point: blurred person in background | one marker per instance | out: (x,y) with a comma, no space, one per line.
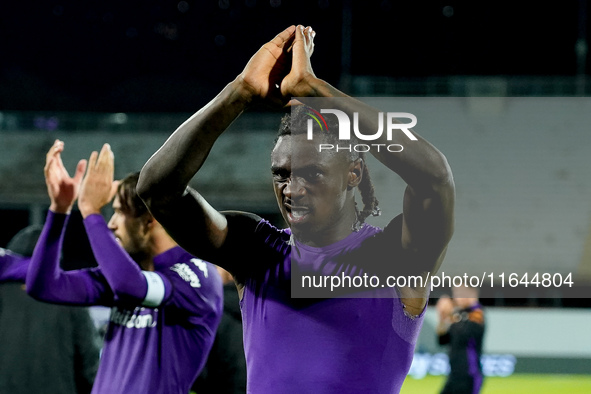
(461,326)
(166,305)
(44,348)
(225,370)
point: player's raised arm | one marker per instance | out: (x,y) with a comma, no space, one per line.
(429,198)
(164,178)
(45,280)
(122,273)
(427,222)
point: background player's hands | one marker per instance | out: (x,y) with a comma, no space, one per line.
(267,67)
(98,186)
(444,307)
(62,188)
(299,82)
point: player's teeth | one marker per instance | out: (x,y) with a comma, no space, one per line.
(298,213)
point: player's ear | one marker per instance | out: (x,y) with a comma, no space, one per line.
(355,173)
(149,222)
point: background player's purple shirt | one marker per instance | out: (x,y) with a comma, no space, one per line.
(146,349)
(336,346)
(161,350)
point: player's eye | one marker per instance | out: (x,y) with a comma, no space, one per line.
(311,175)
(314,174)
(281,176)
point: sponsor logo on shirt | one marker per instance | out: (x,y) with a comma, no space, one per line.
(202,265)
(133,319)
(187,274)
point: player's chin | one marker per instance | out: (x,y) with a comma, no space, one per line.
(303,229)
(299,218)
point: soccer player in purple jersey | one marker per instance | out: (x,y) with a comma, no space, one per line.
(166,304)
(461,326)
(334,345)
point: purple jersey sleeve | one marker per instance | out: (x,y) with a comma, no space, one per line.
(46,281)
(127,281)
(13,267)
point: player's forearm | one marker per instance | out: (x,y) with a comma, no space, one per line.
(121,272)
(44,273)
(45,280)
(315,88)
(421,165)
(167,173)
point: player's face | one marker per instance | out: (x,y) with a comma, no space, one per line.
(464,297)
(311,187)
(129,232)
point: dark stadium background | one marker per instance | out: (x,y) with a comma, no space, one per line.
(141,56)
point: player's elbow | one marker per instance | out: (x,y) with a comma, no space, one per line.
(434,178)
(151,192)
(35,291)
(131,290)
(145,187)
(437,185)
(442,176)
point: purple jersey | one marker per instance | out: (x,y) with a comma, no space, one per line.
(158,337)
(336,345)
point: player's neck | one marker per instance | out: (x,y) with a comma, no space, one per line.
(340,230)
(147,265)
(161,241)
